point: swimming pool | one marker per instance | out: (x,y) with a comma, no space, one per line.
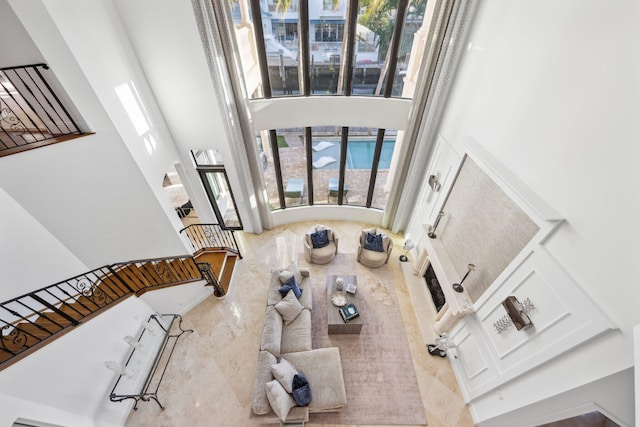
(359,154)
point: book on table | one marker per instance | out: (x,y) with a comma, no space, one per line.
(349,312)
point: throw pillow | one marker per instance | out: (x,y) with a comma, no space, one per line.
(291,285)
(319,239)
(293,268)
(284,372)
(373,242)
(301,389)
(289,307)
(284,276)
(281,402)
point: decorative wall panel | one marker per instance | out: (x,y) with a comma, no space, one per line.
(483,226)
(563,318)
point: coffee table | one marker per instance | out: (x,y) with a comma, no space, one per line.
(335,323)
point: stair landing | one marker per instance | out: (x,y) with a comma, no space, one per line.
(222,263)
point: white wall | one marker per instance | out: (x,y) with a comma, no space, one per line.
(177,299)
(549,90)
(291,215)
(90,193)
(24,238)
(175,66)
(13,409)
(16,48)
(69,374)
(330,111)
(577,402)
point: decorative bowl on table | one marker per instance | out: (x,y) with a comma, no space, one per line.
(339,299)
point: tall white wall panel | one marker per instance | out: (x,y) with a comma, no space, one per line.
(563,318)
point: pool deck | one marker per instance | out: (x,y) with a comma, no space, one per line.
(293,164)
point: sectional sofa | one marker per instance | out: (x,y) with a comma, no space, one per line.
(286,334)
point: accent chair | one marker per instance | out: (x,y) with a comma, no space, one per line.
(320,245)
(374,248)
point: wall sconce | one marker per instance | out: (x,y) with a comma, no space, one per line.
(407,246)
(120,369)
(432,229)
(517,315)
(458,286)
(434,183)
(134,343)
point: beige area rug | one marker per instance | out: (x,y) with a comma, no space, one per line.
(379,376)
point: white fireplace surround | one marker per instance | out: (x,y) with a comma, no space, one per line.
(458,304)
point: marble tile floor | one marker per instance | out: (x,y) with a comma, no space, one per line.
(209,381)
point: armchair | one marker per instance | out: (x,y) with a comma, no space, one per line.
(374,248)
(325,247)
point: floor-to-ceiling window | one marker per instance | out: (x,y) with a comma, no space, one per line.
(347,166)
(335,48)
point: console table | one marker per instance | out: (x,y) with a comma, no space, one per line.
(148,359)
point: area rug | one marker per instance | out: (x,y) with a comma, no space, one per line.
(379,376)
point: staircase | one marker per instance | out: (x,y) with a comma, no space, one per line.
(33,320)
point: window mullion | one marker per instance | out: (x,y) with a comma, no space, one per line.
(309,153)
(343,161)
(273,141)
(261,51)
(395,46)
(349,42)
(304,69)
(374,166)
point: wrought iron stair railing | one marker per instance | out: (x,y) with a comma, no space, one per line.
(30,321)
(204,236)
(31,113)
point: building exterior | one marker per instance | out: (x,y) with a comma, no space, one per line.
(543,99)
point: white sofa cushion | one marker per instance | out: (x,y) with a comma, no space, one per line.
(281,401)
(289,307)
(260,404)
(293,268)
(284,276)
(284,372)
(323,369)
(271,332)
(296,336)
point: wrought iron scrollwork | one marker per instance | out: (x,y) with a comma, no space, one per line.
(14,341)
(165,273)
(13,123)
(209,235)
(92,291)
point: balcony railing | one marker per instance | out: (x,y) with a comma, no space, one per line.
(31,114)
(211,236)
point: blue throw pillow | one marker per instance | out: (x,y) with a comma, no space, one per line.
(319,239)
(301,389)
(290,285)
(373,242)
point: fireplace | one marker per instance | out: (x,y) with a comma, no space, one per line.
(434,288)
